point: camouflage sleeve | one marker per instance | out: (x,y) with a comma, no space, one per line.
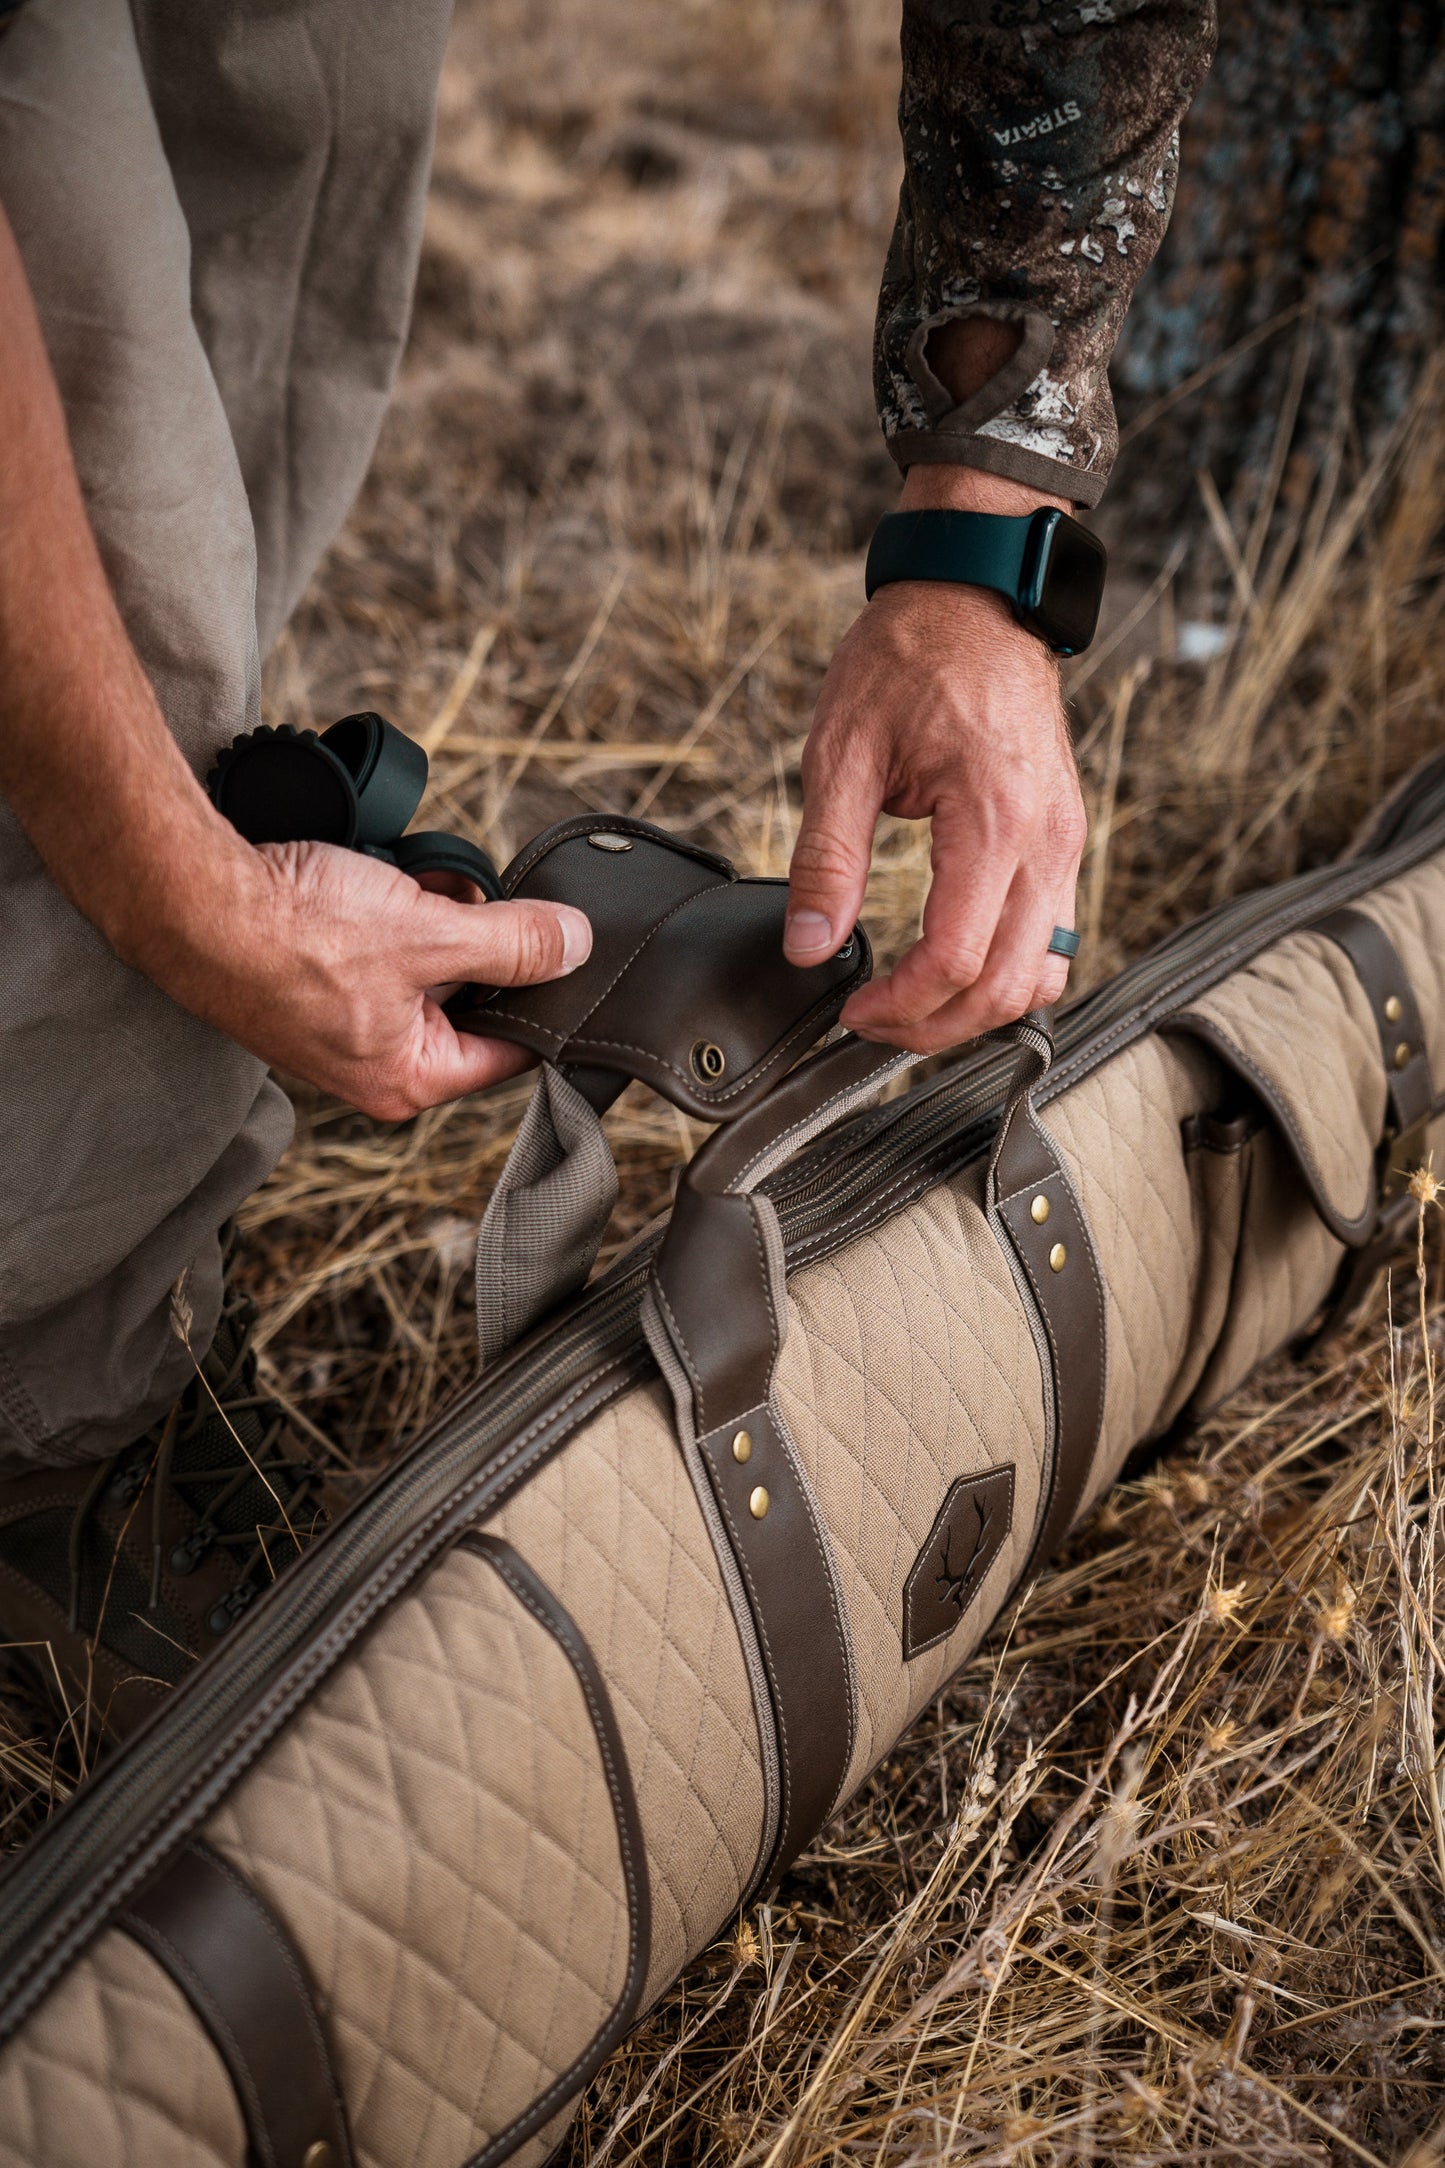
(1041,145)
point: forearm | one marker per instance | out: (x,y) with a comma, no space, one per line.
(319,960)
(1039,173)
(86,761)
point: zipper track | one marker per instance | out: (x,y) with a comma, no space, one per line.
(76,1872)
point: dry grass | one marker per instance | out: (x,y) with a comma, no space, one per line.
(1163,1874)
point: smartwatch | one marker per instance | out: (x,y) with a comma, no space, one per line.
(1049,566)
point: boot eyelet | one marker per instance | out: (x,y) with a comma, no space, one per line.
(191,1549)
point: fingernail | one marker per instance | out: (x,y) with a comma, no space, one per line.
(576,936)
(807,933)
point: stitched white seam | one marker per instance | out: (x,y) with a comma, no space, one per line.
(845,1092)
(682,1349)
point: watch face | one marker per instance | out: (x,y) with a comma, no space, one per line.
(1067,583)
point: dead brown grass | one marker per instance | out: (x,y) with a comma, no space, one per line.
(1163,1874)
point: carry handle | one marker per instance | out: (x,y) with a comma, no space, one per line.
(718,1277)
(715,1315)
(718,1282)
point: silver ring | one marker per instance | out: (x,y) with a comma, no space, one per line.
(1063,941)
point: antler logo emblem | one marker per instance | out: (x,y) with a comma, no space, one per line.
(955,1585)
(970,1530)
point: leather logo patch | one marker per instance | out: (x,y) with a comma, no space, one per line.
(963,1543)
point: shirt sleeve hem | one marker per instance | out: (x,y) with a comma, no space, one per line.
(1055,477)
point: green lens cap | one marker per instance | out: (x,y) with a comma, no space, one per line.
(388,768)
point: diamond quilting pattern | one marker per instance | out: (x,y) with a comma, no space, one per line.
(1119,1134)
(114,2069)
(908,1362)
(1300,1015)
(436,1830)
(614,1529)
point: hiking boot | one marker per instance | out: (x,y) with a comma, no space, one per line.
(117,1577)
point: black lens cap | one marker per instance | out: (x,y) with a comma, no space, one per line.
(284,786)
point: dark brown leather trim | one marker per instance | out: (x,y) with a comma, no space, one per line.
(238,1968)
(799,1625)
(64,1886)
(631,1845)
(714,1290)
(969,1530)
(686,986)
(1387,986)
(1026,1176)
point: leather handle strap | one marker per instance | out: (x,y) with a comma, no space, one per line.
(717,1315)
(237,1967)
(1409,1103)
(1034,1209)
(718,1295)
(1401,1027)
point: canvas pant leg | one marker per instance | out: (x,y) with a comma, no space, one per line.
(223,340)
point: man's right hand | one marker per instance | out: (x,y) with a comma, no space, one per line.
(322,961)
(332,966)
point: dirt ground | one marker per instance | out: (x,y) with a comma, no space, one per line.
(1163,1874)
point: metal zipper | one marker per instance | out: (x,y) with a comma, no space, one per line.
(105,1842)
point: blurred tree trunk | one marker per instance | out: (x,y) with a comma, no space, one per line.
(1311,199)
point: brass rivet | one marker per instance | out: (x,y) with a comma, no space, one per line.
(742,1448)
(1039,1210)
(1057,1256)
(758,1503)
(708,1061)
(604,841)
(318,2155)
(1402,1054)
(1394,1009)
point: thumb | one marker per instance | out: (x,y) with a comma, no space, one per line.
(830,864)
(503,944)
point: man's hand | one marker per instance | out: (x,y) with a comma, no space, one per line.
(940,706)
(333,966)
(320,960)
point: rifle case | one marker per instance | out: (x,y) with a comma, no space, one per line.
(386,1880)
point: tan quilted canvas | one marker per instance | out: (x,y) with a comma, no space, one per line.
(434,1824)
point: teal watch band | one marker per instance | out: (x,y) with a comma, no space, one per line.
(1048,566)
(972,549)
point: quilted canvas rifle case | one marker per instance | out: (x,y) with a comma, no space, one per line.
(388,1877)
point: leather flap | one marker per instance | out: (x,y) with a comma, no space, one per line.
(1296,1026)
(686,986)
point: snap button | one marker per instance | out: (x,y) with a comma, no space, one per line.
(742,1448)
(604,841)
(1039,1210)
(709,1061)
(1058,1257)
(758,1503)
(318,2155)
